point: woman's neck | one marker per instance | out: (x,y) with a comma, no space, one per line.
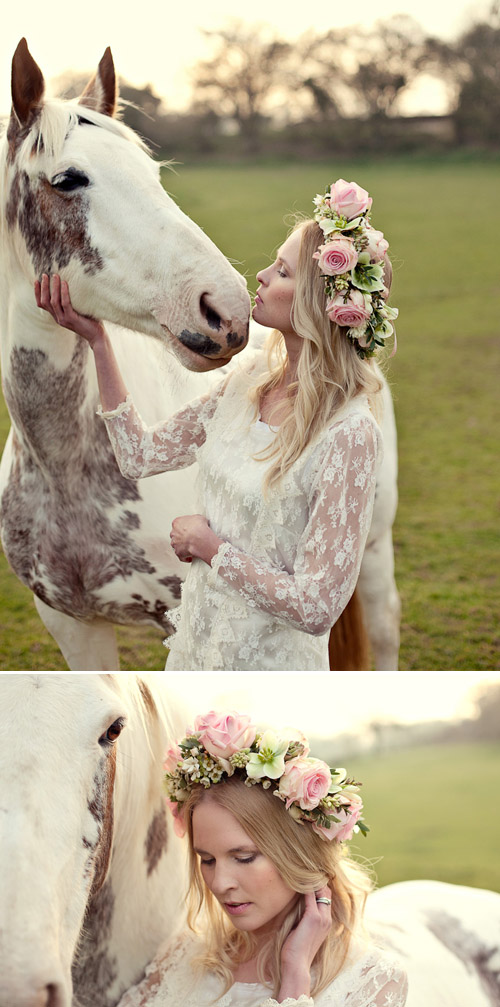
(246,972)
(293,345)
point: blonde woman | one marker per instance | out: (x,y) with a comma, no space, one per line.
(275,903)
(288,448)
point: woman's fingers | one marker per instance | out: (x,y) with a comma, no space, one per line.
(52,294)
(48,296)
(65,298)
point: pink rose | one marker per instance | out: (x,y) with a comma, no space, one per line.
(305,780)
(351,312)
(172,756)
(342,829)
(337,256)
(223,734)
(377,244)
(349,199)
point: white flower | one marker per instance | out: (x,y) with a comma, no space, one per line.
(270,759)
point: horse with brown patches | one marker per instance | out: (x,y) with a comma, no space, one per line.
(92,874)
(80,196)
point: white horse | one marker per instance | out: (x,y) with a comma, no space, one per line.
(80,196)
(93,877)
(447,938)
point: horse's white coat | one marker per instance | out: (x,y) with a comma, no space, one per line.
(447,938)
(50,760)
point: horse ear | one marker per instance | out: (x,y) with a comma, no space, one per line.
(101,92)
(28,87)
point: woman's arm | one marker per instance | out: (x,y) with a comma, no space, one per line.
(140,450)
(302,945)
(375,982)
(331,548)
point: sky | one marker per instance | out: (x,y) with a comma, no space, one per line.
(156,42)
(324,705)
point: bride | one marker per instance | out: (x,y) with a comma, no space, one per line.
(275,903)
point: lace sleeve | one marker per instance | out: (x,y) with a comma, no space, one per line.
(330,550)
(303,1001)
(383,984)
(163,978)
(144,451)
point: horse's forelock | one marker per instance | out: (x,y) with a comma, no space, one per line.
(57,119)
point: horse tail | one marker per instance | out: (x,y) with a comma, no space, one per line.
(349,646)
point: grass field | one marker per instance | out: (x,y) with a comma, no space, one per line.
(442,219)
(432,814)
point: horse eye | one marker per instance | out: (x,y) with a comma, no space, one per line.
(113,732)
(70,180)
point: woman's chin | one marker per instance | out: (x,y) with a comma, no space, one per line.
(257,317)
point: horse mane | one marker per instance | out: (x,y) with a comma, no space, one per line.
(56,120)
(154,722)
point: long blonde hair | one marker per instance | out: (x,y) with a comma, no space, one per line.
(304,860)
(329,371)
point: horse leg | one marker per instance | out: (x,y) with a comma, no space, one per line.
(85,646)
(380,601)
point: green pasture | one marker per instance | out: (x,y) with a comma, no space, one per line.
(431,814)
(442,219)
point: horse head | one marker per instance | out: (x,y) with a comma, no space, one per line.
(83,198)
(92,876)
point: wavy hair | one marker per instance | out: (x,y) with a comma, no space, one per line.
(329,371)
(304,860)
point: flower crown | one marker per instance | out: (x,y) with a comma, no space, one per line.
(227,744)
(352,263)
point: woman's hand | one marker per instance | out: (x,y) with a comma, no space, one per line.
(53,296)
(303,944)
(192,538)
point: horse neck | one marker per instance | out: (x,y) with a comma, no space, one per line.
(141,904)
(48,379)
(138,909)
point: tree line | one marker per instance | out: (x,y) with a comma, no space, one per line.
(338,91)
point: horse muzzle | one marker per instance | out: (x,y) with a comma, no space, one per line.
(198,351)
(26,994)
(207,336)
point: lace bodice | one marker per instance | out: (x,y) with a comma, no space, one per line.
(373,979)
(290,560)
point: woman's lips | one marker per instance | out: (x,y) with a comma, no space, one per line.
(258,299)
(236,908)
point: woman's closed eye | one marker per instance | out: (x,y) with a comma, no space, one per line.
(239,860)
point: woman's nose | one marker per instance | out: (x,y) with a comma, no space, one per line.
(222,881)
(262,275)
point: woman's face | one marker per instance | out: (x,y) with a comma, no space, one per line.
(245,882)
(274,297)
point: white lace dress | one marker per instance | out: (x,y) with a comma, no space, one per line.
(370,978)
(290,561)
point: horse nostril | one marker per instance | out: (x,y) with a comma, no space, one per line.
(53,997)
(213,318)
